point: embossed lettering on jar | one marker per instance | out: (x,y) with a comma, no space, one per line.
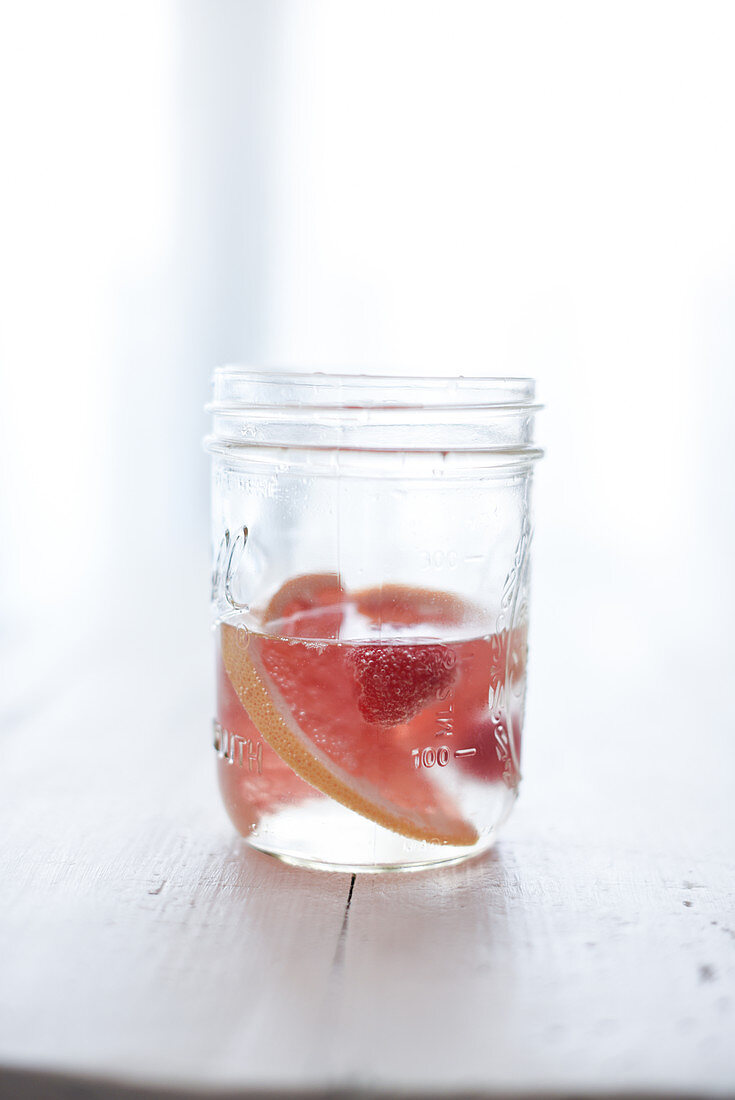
(370,601)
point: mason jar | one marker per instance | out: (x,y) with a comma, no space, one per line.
(370,605)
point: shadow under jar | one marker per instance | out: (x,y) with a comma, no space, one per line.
(370,598)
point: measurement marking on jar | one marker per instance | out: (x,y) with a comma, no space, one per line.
(444,721)
(238,750)
(439,558)
(427,758)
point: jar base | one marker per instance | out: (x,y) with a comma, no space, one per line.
(321,834)
(296,860)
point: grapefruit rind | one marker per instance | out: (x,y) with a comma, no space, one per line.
(269,713)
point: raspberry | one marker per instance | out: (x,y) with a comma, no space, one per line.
(398,681)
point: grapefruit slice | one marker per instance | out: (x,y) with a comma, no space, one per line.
(312,604)
(303,692)
(262,784)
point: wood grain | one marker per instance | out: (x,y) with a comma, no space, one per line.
(143,948)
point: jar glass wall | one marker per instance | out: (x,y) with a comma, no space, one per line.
(370,600)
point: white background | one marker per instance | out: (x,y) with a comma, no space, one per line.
(525,188)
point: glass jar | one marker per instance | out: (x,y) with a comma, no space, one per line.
(370,598)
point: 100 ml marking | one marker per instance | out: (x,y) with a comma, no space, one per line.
(238,750)
(427,758)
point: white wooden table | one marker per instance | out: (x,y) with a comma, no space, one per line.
(145,951)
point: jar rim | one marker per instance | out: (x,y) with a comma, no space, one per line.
(378,414)
(239,387)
